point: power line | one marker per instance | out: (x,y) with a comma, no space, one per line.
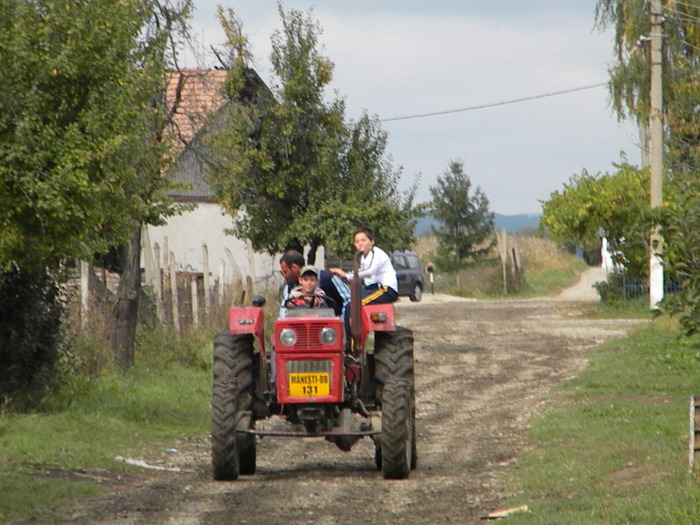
(494,104)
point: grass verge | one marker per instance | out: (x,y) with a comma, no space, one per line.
(615,449)
(51,457)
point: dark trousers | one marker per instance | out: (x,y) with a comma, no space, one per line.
(375,294)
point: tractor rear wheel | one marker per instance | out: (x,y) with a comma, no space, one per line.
(398,423)
(233,452)
(393,356)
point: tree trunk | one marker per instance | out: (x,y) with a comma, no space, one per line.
(125,311)
(311,259)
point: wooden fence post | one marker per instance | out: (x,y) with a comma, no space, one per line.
(195,302)
(84,292)
(158,282)
(251,263)
(222,281)
(205,282)
(173,292)
(502,239)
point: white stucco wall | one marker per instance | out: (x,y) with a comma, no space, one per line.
(185,235)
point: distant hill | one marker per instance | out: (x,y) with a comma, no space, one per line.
(511,223)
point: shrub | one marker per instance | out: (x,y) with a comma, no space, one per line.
(31,333)
(611,290)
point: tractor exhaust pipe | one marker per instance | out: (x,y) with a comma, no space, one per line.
(356,303)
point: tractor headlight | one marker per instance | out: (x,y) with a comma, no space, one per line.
(328,335)
(288,337)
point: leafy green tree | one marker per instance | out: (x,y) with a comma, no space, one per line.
(465,222)
(78,166)
(611,205)
(80,122)
(286,165)
(629,87)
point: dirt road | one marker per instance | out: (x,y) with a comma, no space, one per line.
(483,368)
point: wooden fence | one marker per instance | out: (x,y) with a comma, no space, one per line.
(178,294)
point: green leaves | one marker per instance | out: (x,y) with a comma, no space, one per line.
(79,162)
(463,214)
(289,168)
(611,205)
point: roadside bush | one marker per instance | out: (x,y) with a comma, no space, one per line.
(31,334)
(611,290)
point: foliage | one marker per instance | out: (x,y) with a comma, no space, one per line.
(465,221)
(76,138)
(611,205)
(629,87)
(82,116)
(611,290)
(630,76)
(285,164)
(31,334)
(681,230)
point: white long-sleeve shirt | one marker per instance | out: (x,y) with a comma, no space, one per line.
(376,268)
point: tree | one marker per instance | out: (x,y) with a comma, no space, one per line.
(286,166)
(79,163)
(629,88)
(80,121)
(611,205)
(465,221)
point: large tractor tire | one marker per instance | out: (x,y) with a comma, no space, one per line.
(393,356)
(232,452)
(398,423)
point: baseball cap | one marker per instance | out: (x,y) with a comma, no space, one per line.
(309,269)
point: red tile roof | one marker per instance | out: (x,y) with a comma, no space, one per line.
(196,95)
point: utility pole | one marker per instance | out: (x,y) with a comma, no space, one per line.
(656,271)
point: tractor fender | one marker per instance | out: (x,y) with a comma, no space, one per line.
(248,320)
(378,318)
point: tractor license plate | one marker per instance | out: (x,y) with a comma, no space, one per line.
(309,384)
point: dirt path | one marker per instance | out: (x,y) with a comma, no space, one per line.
(483,368)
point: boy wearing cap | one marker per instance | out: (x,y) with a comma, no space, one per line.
(308,294)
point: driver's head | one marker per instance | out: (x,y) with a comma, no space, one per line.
(308,279)
(291,264)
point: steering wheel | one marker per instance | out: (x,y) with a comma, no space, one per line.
(290,302)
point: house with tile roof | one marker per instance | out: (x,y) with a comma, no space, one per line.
(196,241)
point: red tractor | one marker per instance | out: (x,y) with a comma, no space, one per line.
(318,382)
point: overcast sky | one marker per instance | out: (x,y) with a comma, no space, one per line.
(399,58)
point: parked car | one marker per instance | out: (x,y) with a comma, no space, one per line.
(409,272)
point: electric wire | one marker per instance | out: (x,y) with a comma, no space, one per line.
(493,104)
(681,13)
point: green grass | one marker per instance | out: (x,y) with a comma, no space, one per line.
(637,308)
(615,450)
(116,414)
(544,282)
